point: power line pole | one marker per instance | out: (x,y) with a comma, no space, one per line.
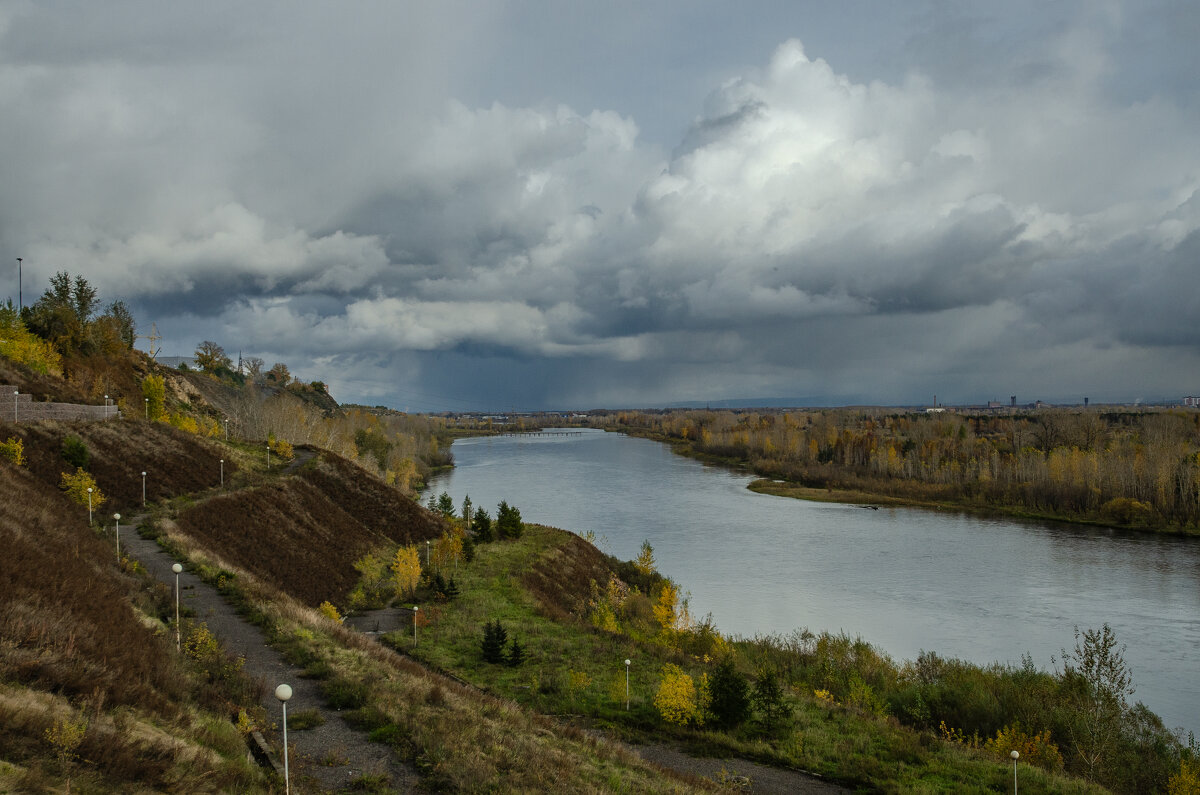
(20,286)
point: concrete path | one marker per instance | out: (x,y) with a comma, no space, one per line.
(327,758)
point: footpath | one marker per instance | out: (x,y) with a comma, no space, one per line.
(330,757)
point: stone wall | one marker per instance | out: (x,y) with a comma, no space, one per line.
(21,408)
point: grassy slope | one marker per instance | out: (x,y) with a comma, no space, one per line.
(301,533)
(81,637)
(574,669)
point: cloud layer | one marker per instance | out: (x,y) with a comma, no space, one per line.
(981,221)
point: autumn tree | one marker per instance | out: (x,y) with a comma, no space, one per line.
(211,357)
(280,374)
(253,366)
(645,559)
(406,570)
(1100,682)
(676,698)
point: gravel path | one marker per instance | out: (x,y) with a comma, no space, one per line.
(327,758)
(740,775)
(330,757)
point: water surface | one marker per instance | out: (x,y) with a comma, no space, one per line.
(980,589)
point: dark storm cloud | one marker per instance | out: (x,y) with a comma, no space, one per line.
(458,205)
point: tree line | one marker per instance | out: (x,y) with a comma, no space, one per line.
(1138,468)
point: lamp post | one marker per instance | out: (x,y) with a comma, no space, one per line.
(427,553)
(283,693)
(415,610)
(268,455)
(143,489)
(147,402)
(20,285)
(222,471)
(89,506)
(626,684)
(106,407)
(175,567)
(117,525)
(16,392)
(227,429)
(1015,755)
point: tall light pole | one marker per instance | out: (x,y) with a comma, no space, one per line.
(283,693)
(268,455)
(117,525)
(415,609)
(175,567)
(16,392)
(20,286)
(147,402)
(1015,755)
(143,489)
(222,471)
(89,506)
(626,684)
(106,407)
(227,429)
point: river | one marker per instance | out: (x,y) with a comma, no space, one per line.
(980,589)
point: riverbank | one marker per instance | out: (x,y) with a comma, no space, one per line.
(880,492)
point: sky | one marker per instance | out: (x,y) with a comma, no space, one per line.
(492,206)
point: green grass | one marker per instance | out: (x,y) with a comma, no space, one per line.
(833,740)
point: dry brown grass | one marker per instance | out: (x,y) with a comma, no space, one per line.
(176,462)
(74,636)
(302,533)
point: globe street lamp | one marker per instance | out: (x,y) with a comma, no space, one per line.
(175,567)
(117,520)
(283,693)
(1015,755)
(268,455)
(16,392)
(106,407)
(147,402)
(627,684)
(143,489)
(415,609)
(89,506)
(222,471)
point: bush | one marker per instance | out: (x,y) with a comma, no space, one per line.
(75,452)
(676,699)
(13,451)
(342,693)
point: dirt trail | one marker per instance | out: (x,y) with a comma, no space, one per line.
(323,759)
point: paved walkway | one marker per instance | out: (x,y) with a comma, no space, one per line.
(323,759)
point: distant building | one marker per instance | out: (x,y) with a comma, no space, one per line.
(1194,402)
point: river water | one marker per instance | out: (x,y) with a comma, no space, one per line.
(984,590)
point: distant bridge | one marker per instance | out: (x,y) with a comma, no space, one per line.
(540,433)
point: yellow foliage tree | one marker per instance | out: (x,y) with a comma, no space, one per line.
(154,395)
(676,699)
(1187,780)
(645,559)
(13,450)
(328,610)
(76,486)
(23,347)
(447,550)
(406,570)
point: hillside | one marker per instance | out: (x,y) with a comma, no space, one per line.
(83,648)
